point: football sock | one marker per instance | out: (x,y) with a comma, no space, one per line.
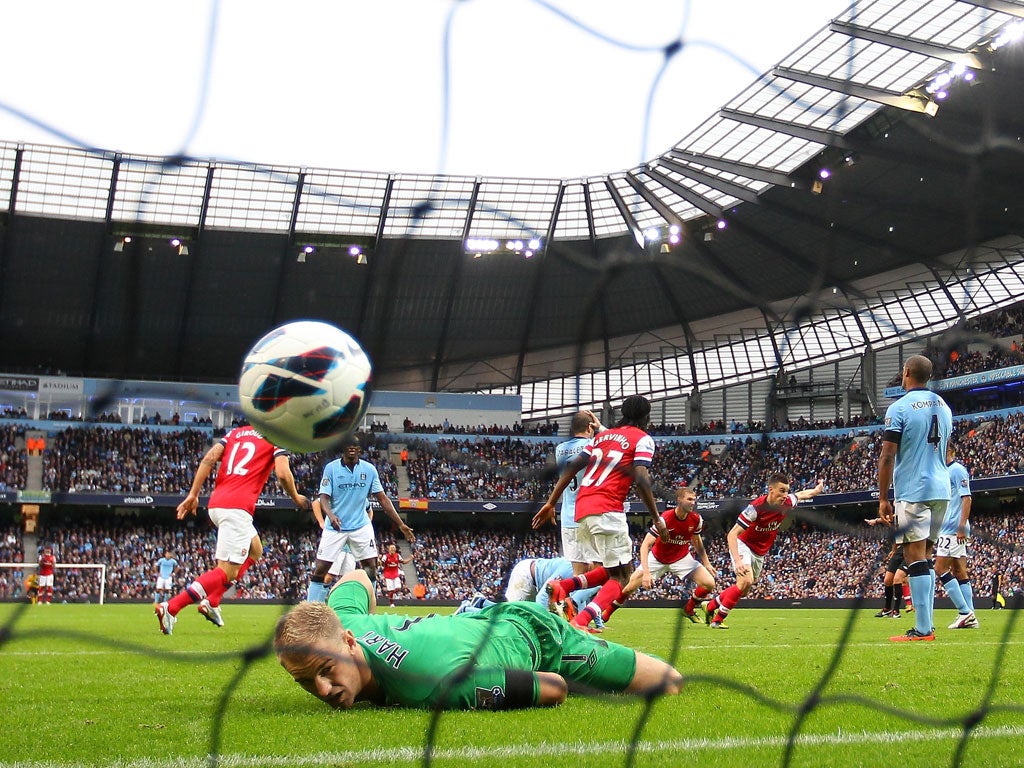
(595,578)
(610,592)
(889,596)
(920,582)
(727,601)
(214,581)
(952,587)
(616,604)
(245,566)
(907,592)
(931,593)
(317,591)
(215,597)
(968,592)
(698,594)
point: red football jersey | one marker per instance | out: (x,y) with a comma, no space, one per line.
(391,563)
(679,532)
(760,523)
(46,564)
(246,464)
(608,476)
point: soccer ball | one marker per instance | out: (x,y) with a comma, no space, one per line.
(304,385)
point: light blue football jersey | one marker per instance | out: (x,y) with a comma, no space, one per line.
(959,486)
(564,454)
(349,489)
(924,423)
(166,566)
(546,569)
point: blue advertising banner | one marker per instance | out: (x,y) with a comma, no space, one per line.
(1013,373)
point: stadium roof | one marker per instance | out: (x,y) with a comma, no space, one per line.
(889,141)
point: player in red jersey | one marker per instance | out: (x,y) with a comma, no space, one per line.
(614,460)
(681,554)
(249,458)
(392,572)
(751,538)
(47,562)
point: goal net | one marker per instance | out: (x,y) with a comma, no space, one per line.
(72,582)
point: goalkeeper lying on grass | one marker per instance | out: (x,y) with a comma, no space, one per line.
(508,656)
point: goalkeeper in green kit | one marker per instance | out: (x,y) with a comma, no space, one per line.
(507,656)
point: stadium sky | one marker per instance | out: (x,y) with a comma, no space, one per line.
(358,86)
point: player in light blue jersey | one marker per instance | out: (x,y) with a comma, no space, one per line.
(584,426)
(164,581)
(913,461)
(346,484)
(951,548)
(526,582)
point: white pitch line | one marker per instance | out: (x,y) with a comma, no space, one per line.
(544,749)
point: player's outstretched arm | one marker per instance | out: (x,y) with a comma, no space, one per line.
(810,493)
(190,503)
(390,511)
(285,478)
(318,513)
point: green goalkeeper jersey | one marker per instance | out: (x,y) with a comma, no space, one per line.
(476,660)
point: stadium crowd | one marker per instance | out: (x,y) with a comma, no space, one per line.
(807,562)
(127,460)
(85,459)
(13,469)
(447,428)
(482,468)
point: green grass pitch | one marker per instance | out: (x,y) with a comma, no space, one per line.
(87,685)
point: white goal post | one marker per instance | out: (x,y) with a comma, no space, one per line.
(66,566)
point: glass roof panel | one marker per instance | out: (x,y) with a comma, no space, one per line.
(428,206)
(712,195)
(334,201)
(519,208)
(679,206)
(244,197)
(572,218)
(943,22)
(151,191)
(607,219)
(62,182)
(743,181)
(643,214)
